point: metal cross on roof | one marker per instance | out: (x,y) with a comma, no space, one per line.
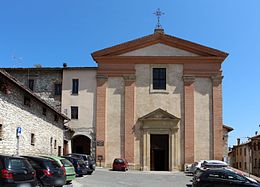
(158,14)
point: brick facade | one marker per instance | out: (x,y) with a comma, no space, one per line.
(189,119)
(129,119)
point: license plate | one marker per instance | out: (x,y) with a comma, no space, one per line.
(24,185)
(59,182)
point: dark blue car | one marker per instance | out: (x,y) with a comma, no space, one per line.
(79,165)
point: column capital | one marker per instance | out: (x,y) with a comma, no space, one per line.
(101,77)
(129,77)
(188,80)
(216,79)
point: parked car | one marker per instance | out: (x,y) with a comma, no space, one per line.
(120,164)
(79,165)
(222,178)
(66,165)
(204,164)
(16,171)
(48,171)
(89,161)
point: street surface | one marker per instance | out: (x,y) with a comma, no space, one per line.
(106,178)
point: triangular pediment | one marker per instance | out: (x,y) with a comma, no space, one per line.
(159,114)
(158,45)
(159,49)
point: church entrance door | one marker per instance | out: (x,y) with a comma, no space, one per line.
(159,152)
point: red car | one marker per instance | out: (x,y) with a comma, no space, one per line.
(120,164)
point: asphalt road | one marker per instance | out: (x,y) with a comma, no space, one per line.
(106,178)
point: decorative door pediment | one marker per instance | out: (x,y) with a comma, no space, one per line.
(159,114)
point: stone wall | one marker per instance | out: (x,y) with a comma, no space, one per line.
(44,82)
(13,114)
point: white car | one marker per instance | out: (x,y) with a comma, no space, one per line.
(203,164)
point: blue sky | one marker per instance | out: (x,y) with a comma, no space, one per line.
(51,32)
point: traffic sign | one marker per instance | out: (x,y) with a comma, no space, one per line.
(19,131)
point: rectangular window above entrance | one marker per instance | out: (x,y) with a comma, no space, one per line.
(159,78)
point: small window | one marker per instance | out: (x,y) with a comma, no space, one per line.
(27,101)
(159,78)
(1,131)
(58,89)
(75,86)
(55,144)
(31,84)
(51,141)
(240,165)
(74,112)
(56,119)
(240,151)
(44,111)
(32,139)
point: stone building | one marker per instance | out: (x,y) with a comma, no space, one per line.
(41,124)
(246,156)
(255,149)
(71,90)
(226,130)
(159,102)
(44,82)
(242,153)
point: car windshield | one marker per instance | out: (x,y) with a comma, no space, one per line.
(66,163)
(16,164)
(119,161)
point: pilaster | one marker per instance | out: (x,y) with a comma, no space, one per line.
(129,118)
(188,119)
(101,119)
(217,116)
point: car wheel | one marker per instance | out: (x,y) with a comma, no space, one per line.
(68,182)
(89,172)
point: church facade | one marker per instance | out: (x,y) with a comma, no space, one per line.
(155,100)
(158,102)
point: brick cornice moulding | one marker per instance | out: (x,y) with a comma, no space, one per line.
(158,59)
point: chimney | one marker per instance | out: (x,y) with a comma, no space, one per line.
(238,141)
(65,65)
